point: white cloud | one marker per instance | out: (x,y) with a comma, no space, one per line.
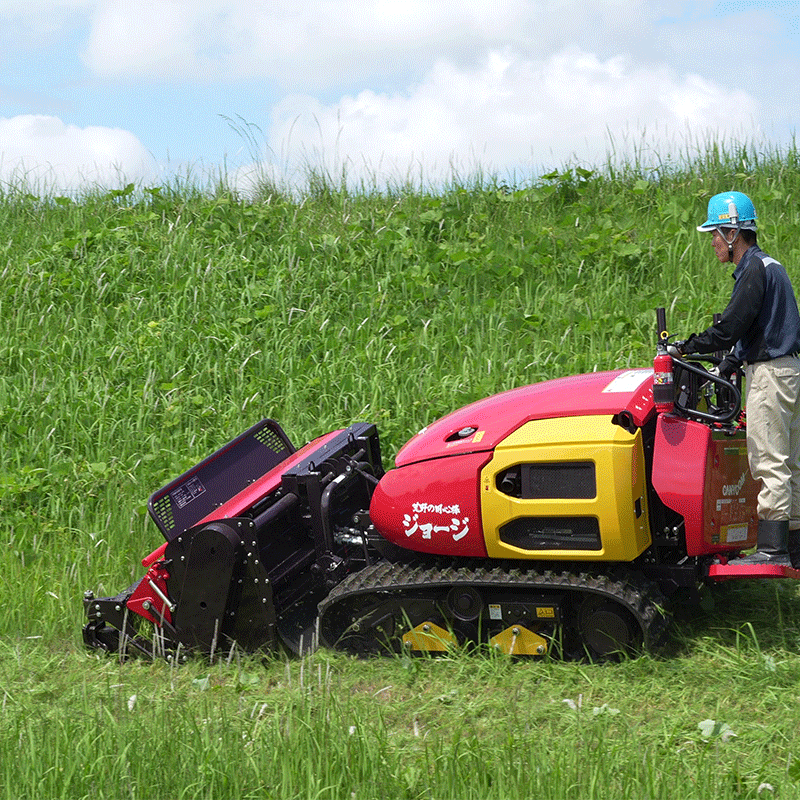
(329,42)
(39,22)
(130,38)
(509,112)
(412,86)
(41,152)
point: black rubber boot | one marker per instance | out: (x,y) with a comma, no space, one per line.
(773,542)
(794,548)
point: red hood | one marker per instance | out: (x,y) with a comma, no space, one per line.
(496,417)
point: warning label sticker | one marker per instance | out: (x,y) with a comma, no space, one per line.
(187,492)
(736,533)
(628,381)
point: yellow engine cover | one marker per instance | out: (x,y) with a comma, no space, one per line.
(566,489)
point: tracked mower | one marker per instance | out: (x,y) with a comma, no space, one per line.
(564,517)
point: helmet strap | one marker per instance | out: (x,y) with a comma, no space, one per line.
(731,242)
(733,213)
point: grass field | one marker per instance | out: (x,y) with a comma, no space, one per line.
(143,328)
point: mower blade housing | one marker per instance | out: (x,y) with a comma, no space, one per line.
(256,534)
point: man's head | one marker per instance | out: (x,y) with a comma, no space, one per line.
(732,220)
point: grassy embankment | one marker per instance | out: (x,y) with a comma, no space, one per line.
(141,330)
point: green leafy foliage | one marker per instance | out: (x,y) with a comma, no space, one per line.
(144,327)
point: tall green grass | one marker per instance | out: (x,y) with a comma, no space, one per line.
(143,328)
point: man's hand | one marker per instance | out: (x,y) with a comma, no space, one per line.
(675,349)
(681,348)
(727,367)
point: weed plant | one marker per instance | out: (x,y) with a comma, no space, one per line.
(145,327)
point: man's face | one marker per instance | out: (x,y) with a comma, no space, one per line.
(720,239)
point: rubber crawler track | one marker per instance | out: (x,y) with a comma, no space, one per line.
(363,590)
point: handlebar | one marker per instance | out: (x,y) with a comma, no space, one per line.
(734,403)
(688,394)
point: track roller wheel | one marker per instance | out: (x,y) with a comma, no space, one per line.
(465,603)
(607,629)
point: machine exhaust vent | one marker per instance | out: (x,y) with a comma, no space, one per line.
(552,533)
(569,480)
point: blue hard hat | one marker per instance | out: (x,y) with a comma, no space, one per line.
(730,210)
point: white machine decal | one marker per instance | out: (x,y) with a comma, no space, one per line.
(427,519)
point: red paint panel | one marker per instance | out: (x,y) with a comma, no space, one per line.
(679,470)
(731,496)
(604,393)
(704,477)
(433,507)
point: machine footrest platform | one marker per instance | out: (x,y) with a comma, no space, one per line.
(731,570)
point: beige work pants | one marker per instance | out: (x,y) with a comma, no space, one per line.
(773,436)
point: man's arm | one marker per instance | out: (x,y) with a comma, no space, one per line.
(738,316)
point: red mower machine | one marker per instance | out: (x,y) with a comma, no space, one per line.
(563,517)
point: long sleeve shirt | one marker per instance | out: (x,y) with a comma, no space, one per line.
(761,321)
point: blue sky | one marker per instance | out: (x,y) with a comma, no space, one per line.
(100,92)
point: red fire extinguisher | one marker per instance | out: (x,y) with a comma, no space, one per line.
(663,388)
